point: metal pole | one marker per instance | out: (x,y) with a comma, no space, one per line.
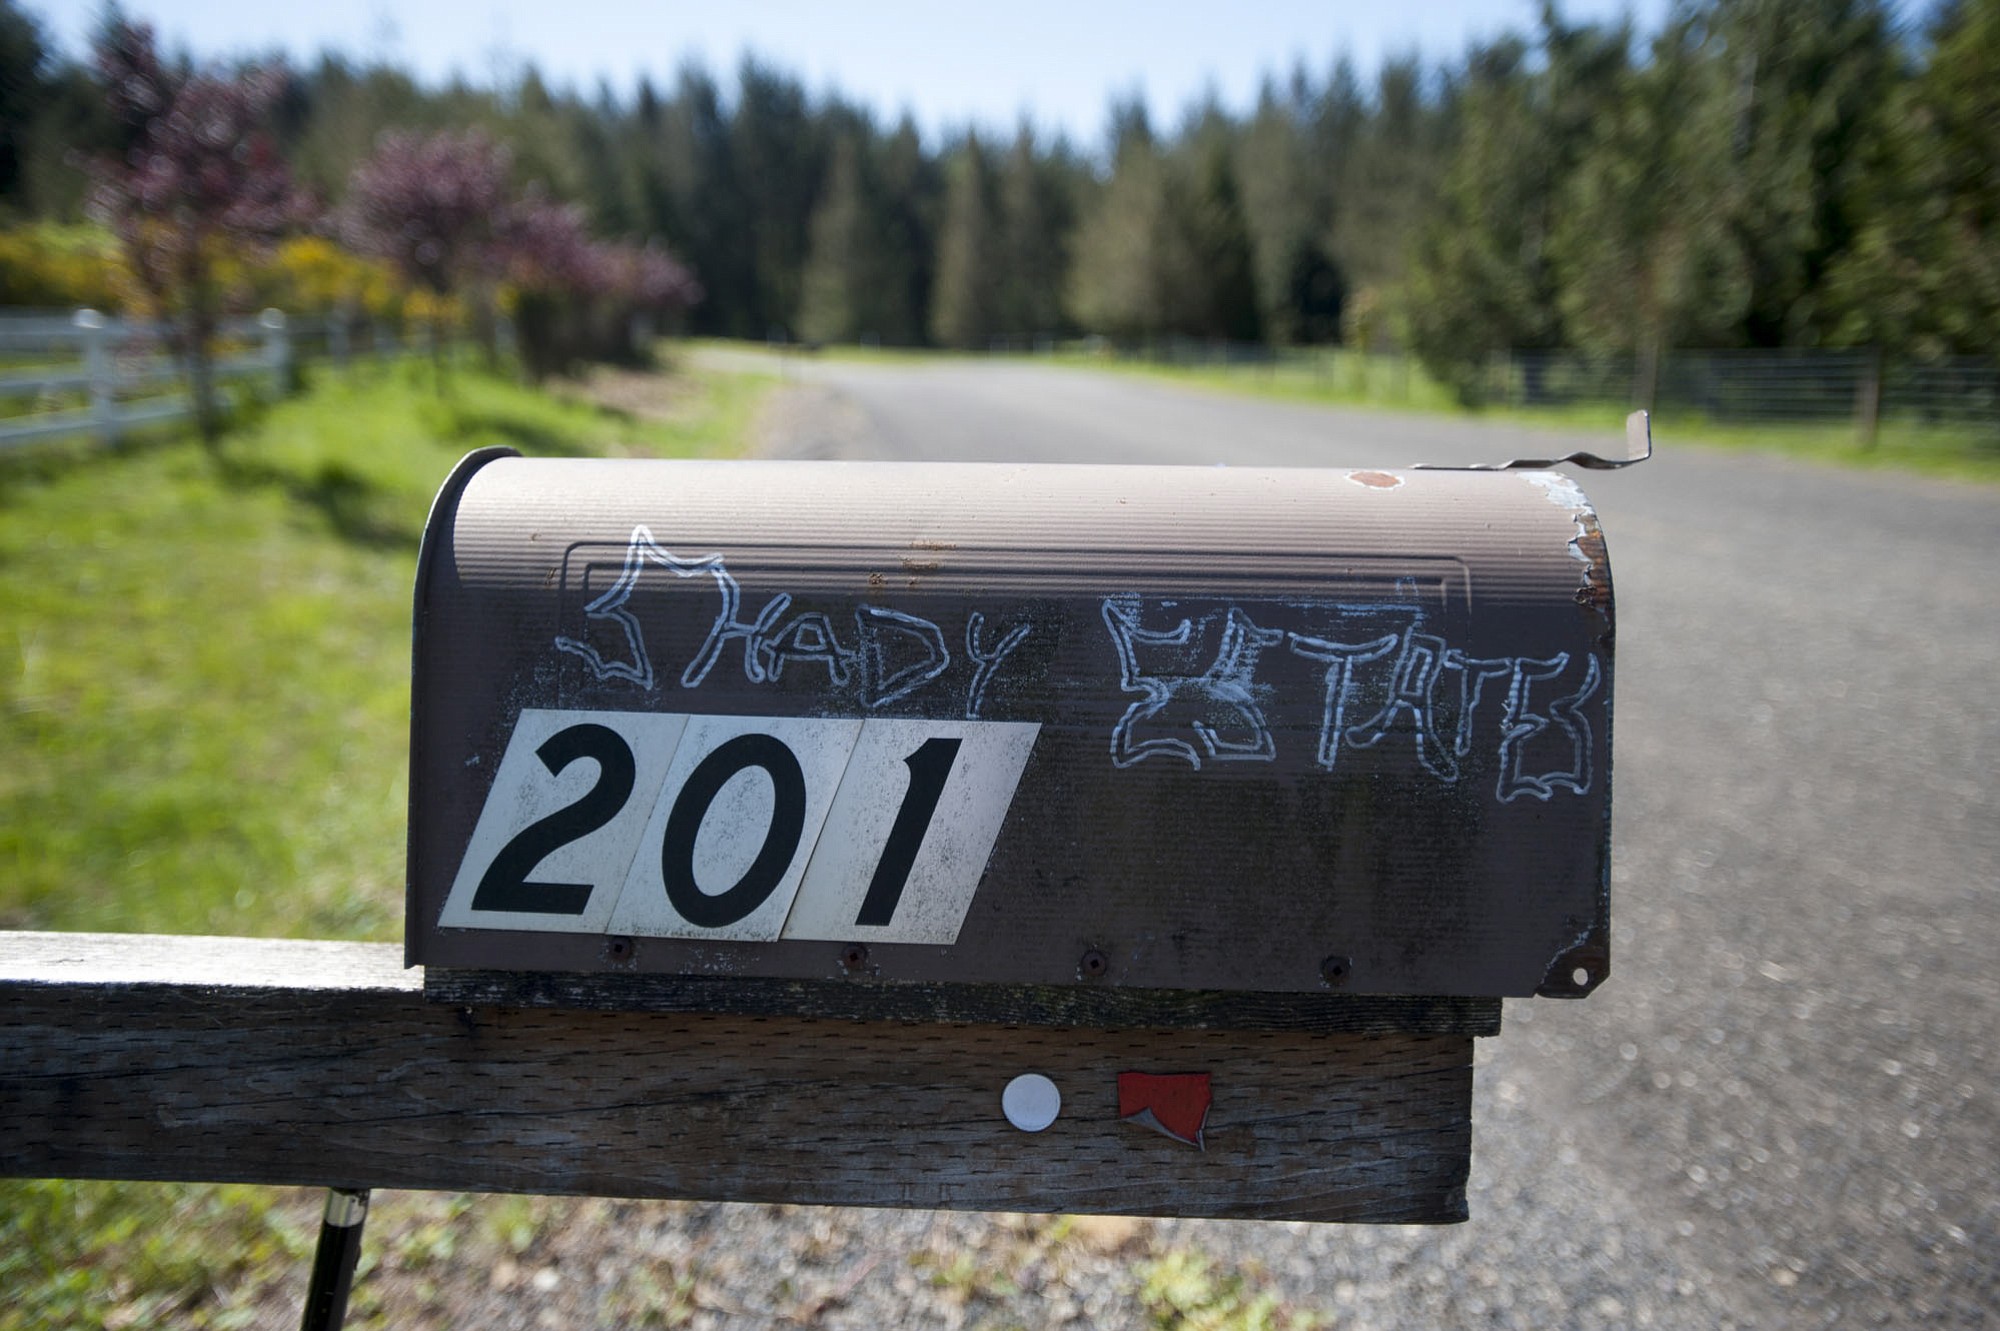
(333,1263)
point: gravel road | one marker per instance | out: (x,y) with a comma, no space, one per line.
(1784,1107)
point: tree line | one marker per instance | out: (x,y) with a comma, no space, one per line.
(1753,173)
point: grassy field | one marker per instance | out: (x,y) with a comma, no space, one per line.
(203,728)
(204,724)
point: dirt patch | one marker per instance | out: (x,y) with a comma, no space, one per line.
(647,395)
(808,420)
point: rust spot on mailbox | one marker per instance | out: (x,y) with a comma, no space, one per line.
(1595,593)
(1375,480)
(1235,720)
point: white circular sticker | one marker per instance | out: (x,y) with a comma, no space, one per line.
(1031,1102)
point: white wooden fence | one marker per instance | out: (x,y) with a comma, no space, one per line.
(117,365)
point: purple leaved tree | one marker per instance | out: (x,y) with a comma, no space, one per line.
(200,187)
(581,299)
(441,208)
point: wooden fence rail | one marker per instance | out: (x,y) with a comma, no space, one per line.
(127,382)
(320,1063)
(110,375)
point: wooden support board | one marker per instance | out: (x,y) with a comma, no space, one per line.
(269,1061)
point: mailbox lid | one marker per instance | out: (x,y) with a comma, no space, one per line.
(1234,729)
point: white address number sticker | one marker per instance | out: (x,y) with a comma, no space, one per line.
(744,828)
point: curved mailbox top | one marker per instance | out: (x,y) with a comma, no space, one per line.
(1168,728)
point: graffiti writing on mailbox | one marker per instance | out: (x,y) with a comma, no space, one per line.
(1199,703)
(1206,683)
(889,655)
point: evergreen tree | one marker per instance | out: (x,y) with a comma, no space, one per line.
(1923,276)
(539,129)
(910,198)
(1282,209)
(1217,291)
(23,85)
(1478,284)
(1383,161)
(777,155)
(1644,254)
(1807,80)
(348,110)
(965,301)
(698,202)
(597,131)
(1127,247)
(1485,278)
(843,282)
(1035,217)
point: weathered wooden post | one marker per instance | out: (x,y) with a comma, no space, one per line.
(99,365)
(340,336)
(277,350)
(1868,399)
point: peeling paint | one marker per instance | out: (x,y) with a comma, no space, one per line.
(1587,546)
(1563,492)
(1595,593)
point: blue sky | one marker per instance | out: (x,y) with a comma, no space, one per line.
(948,64)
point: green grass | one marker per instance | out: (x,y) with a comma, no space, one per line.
(111,1255)
(203,724)
(1958,454)
(203,728)
(1334,377)
(1182,1290)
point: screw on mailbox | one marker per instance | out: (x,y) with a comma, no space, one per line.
(854,956)
(1094,963)
(1335,970)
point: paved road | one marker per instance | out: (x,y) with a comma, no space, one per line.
(1784,1110)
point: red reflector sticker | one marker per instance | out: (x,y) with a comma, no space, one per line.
(1173,1105)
